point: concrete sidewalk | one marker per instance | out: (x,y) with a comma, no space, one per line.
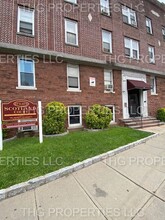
(130,185)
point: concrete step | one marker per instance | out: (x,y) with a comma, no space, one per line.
(142,122)
(146,125)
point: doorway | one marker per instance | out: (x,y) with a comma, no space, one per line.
(134,103)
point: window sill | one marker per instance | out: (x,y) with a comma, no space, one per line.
(113,92)
(26,35)
(67,1)
(110,53)
(154,94)
(131,25)
(73,45)
(106,14)
(26,88)
(70,127)
(72,90)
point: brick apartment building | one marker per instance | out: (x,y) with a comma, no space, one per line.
(109,52)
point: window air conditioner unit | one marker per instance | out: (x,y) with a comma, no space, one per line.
(109,87)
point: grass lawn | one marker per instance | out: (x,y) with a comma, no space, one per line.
(23,159)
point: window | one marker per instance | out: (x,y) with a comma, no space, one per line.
(72,1)
(107,41)
(71,32)
(153,85)
(148,26)
(131,48)
(25,21)
(74,116)
(108,81)
(129,16)
(104,4)
(151,51)
(163,33)
(112,108)
(26,73)
(73,78)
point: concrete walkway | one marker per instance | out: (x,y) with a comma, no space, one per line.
(130,185)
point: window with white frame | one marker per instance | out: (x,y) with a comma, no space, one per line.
(163,32)
(108,81)
(26,73)
(74,116)
(149,25)
(129,16)
(73,77)
(107,41)
(71,32)
(131,48)
(25,20)
(112,108)
(72,1)
(151,52)
(153,85)
(105,9)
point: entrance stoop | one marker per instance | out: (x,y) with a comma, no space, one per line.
(141,122)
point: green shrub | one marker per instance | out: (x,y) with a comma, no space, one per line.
(54,118)
(161,114)
(4,133)
(98,117)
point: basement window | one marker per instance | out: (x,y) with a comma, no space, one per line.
(25,21)
(75,116)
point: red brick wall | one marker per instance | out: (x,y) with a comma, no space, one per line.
(51,83)
(49,28)
(156,101)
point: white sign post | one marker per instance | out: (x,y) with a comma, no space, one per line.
(1,136)
(40,122)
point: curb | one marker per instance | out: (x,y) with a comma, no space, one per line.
(39,181)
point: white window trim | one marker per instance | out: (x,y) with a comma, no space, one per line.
(73,89)
(129,11)
(151,49)
(114,116)
(110,35)
(18,21)
(155,89)
(131,48)
(75,125)
(19,77)
(111,73)
(150,25)
(77,43)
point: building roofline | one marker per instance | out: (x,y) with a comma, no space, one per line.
(161,5)
(22,50)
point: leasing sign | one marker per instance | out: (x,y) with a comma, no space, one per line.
(19,109)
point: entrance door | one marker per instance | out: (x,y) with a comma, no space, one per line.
(134,103)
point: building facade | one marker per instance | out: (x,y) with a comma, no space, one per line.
(104,52)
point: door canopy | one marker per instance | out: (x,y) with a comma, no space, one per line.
(135,84)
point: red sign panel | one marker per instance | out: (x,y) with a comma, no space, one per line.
(19,109)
